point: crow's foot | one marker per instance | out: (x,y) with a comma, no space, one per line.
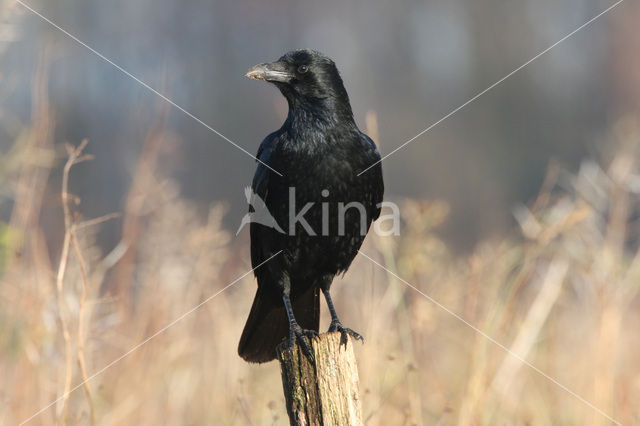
(344,332)
(302,336)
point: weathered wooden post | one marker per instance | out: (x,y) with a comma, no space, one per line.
(325,392)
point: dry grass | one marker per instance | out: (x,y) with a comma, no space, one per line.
(561,292)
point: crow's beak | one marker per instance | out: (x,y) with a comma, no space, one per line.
(274,72)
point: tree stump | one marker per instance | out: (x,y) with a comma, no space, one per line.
(325,392)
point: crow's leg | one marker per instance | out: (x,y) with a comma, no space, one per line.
(336,325)
(297,333)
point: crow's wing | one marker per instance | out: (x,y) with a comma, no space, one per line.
(373,176)
(264,243)
(260,183)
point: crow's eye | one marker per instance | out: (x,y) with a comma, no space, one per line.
(302,69)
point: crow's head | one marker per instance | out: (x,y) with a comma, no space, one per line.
(303,76)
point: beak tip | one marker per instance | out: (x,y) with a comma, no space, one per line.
(255,73)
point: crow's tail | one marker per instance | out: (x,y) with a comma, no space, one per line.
(268,324)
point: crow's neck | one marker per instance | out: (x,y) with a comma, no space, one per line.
(319,113)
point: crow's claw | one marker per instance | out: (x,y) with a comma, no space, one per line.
(302,336)
(344,332)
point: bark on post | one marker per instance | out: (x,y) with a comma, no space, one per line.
(325,393)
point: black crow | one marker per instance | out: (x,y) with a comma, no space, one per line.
(324,208)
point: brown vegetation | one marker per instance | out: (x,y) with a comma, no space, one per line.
(561,292)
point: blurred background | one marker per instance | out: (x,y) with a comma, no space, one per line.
(520,212)
(409,63)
